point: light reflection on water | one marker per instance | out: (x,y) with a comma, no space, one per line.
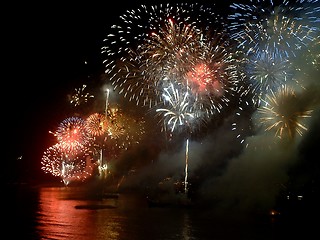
(60,213)
(59,219)
(127,217)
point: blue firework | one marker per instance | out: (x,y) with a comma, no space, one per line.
(267,71)
(289,26)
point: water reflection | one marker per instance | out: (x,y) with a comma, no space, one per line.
(71,213)
(186,227)
(126,217)
(59,218)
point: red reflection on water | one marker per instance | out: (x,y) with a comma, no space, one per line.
(59,219)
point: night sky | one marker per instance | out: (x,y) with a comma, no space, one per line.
(54,48)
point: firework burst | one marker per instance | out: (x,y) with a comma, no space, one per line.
(124,130)
(96,124)
(267,71)
(68,166)
(80,96)
(287,26)
(157,46)
(283,114)
(72,134)
(177,111)
(269,36)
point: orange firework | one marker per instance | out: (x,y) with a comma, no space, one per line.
(97,124)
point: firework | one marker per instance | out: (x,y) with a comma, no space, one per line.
(156,46)
(242,124)
(312,55)
(186,167)
(283,114)
(267,71)
(124,130)
(107,101)
(287,26)
(269,36)
(177,110)
(176,59)
(72,133)
(80,96)
(58,161)
(96,124)
(178,114)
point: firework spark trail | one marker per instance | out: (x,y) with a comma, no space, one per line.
(107,101)
(180,114)
(312,56)
(241,124)
(186,168)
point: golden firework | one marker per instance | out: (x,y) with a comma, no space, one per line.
(284,113)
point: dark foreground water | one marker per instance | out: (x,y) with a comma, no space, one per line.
(63,213)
